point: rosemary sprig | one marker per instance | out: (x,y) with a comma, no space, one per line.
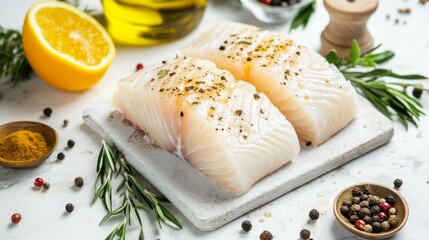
(389,97)
(110,165)
(14,67)
(303,16)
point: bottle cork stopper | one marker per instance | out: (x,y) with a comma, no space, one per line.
(348,21)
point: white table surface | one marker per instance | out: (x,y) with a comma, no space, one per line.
(43,215)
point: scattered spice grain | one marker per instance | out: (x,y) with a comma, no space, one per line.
(246,225)
(404,10)
(60,156)
(70,143)
(266,235)
(397,183)
(69,207)
(47,111)
(15,218)
(305,234)
(314,214)
(78,182)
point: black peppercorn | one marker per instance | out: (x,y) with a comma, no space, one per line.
(356,192)
(390,199)
(345,211)
(364,212)
(246,225)
(305,234)
(70,143)
(376,227)
(353,218)
(47,112)
(397,183)
(417,92)
(266,235)
(375,218)
(46,186)
(314,214)
(61,156)
(367,219)
(375,210)
(347,203)
(65,123)
(364,197)
(69,207)
(366,191)
(356,200)
(78,182)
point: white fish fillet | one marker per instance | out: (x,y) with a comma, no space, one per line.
(221,126)
(312,94)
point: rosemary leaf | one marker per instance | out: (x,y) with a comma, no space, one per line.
(303,16)
(14,67)
(354,54)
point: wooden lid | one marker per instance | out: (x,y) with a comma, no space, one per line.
(351,9)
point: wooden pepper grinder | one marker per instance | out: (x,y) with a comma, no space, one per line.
(348,19)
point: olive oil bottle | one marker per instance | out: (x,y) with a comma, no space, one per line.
(148,22)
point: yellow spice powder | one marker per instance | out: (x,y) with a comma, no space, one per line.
(22,145)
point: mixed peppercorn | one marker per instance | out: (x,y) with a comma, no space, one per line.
(370,213)
(283,3)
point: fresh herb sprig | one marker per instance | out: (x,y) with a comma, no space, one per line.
(389,97)
(14,67)
(303,16)
(110,165)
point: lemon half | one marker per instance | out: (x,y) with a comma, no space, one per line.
(65,46)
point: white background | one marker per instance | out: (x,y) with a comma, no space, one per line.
(43,215)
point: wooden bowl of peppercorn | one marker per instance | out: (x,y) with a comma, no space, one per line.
(26,144)
(371,211)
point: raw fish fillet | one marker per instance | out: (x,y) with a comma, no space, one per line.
(221,126)
(312,94)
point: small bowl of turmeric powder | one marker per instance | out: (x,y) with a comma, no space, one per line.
(26,144)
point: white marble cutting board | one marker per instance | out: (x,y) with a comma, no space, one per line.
(209,207)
